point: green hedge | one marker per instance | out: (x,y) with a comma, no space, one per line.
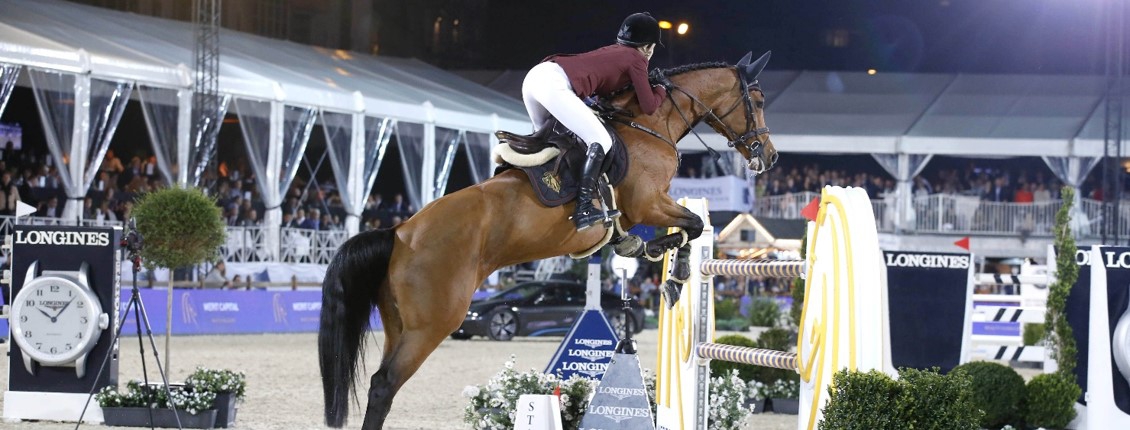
(1034,333)
(726,309)
(1050,400)
(745,371)
(764,312)
(998,390)
(918,400)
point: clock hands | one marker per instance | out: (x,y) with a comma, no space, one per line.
(63,309)
(46,315)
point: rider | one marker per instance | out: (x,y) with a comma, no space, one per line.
(558,84)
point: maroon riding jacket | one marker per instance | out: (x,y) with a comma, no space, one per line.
(605,70)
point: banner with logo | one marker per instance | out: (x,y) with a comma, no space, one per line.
(587,349)
(725,193)
(63,248)
(230,311)
(927,301)
(1078,307)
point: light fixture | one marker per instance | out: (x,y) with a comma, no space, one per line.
(871,71)
(683,27)
(666,25)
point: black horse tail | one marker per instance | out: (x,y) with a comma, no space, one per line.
(349,294)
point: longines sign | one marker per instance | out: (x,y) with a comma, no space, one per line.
(68,238)
(937,261)
(1112,259)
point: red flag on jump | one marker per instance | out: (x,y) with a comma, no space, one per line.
(963,243)
(809,212)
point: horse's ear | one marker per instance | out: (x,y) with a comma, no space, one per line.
(751,71)
(745,60)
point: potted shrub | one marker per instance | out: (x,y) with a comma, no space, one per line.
(998,390)
(764,313)
(229,387)
(783,395)
(151,406)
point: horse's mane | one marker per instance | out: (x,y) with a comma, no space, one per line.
(653,76)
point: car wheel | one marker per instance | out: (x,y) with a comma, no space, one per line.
(619,320)
(460,336)
(503,325)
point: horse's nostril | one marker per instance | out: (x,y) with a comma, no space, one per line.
(773,158)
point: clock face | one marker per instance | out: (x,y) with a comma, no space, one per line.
(54,320)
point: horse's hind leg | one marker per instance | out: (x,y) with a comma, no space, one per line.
(399,364)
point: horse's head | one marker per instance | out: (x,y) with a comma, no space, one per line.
(743,125)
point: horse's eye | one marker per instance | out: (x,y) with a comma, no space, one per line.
(760,104)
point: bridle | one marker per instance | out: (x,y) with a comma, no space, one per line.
(750,140)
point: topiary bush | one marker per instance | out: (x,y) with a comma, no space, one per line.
(726,309)
(1050,400)
(918,400)
(934,401)
(180,227)
(862,401)
(764,312)
(745,371)
(777,339)
(998,391)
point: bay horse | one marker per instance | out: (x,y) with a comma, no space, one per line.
(421,274)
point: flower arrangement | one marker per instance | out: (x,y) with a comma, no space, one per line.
(781,389)
(728,395)
(182,397)
(218,381)
(493,405)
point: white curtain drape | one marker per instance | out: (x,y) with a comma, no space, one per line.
(410,143)
(478,154)
(161,109)
(77,138)
(8,75)
(447,144)
(903,167)
(203,139)
(355,163)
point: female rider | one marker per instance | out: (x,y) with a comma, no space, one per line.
(557,85)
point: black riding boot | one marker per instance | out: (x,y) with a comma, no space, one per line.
(585,215)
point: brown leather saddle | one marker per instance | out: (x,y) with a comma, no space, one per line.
(555,181)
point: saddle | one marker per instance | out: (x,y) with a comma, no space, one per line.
(552,159)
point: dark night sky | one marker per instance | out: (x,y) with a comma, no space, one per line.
(972,36)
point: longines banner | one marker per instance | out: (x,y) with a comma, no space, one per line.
(725,193)
(926,293)
(231,311)
(1117,262)
(63,248)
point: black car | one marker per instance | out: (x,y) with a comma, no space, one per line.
(542,308)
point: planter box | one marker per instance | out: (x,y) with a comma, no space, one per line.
(785,406)
(225,410)
(139,417)
(756,405)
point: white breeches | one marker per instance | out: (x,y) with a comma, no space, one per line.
(546,91)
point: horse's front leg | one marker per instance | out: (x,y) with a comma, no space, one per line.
(690,226)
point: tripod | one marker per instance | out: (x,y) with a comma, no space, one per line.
(132,244)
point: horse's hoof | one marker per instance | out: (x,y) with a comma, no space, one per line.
(630,246)
(670,293)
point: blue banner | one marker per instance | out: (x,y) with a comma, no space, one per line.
(230,311)
(587,349)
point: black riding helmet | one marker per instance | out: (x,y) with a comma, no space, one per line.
(639,29)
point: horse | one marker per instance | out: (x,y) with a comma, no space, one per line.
(421,274)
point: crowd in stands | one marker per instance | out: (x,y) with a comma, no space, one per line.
(33,177)
(1017,183)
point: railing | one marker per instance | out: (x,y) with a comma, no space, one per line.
(960,214)
(244,244)
(300,245)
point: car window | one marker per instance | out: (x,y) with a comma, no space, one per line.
(520,292)
(553,295)
(575,295)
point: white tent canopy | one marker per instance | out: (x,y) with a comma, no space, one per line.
(945,114)
(92,58)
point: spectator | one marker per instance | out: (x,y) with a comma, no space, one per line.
(9,194)
(50,209)
(398,205)
(299,219)
(314,221)
(1024,194)
(217,277)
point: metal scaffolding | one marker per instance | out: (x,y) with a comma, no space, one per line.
(205,98)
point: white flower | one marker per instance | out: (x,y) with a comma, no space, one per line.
(471,391)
